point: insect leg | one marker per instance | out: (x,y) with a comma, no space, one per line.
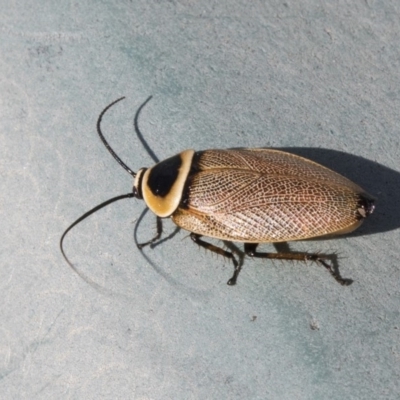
(334,272)
(250,250)
(164,239)
(196,238)
(156,237)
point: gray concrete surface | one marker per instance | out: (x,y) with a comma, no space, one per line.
(320,76)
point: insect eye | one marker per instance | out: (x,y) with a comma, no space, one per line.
(136,193)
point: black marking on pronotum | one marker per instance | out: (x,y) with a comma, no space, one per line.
(251,196)
(163,175)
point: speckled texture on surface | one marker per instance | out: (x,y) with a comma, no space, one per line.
(319,76)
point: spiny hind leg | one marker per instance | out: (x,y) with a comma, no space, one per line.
(215,249)
(250,250)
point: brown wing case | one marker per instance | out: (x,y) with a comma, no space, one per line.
(262,195)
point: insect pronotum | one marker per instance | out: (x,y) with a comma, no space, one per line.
(251,196)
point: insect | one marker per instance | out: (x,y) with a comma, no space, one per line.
(245,195)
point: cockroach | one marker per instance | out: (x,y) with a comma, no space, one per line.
(249,195)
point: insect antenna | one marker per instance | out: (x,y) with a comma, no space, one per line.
(107,202)
(114,199)
(103,139)
(84,216)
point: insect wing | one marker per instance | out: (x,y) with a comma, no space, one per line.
(266,196)
(271,162)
